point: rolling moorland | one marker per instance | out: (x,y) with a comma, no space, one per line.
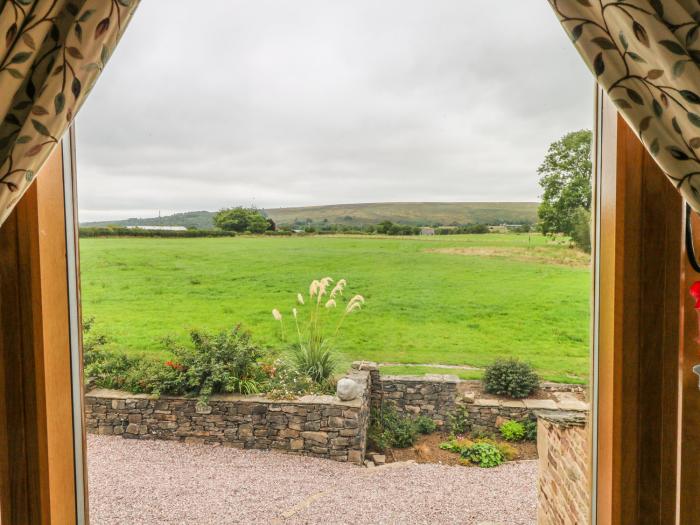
(412,213)
(455,300)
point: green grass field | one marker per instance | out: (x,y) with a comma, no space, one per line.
(459,300)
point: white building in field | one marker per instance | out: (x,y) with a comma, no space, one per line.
(427,231)
(159,228)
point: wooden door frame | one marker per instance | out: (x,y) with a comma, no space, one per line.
(640,302)
(42,442)
(639,307)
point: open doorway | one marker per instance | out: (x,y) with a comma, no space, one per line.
(343,106)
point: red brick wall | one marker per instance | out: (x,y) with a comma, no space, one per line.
(564,486)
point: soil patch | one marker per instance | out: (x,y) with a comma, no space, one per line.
(427,450)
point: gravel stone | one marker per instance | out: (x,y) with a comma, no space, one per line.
(161,482)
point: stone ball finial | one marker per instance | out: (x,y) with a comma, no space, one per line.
(347,389)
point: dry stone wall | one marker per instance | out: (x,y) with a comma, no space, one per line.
(438,396)
(564,480)
(433,396)
(320,426)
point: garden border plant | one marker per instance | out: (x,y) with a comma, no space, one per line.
(510,377)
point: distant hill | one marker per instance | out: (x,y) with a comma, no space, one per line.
(413,213)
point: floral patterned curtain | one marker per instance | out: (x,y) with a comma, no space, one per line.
(645,54)
(51,53)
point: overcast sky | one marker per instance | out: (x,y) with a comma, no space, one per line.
(214,104)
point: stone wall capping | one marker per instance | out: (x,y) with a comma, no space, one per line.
(369,366)
(573,405)
(427,378)
(105,393)
(566,419)
(513,403)
(540,404)
(487,402)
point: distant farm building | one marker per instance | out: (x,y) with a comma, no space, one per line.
(427,231)
(159,228)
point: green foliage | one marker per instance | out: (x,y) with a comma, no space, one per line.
(458,421)
(581,230)
(315,361)
(483,452)
(484,455)
(510,377)
(512,431)
(425,425)
(530,430)
(222,362)
(388,429)
(456,445)
(242,220)
(565,177)
(127,232)
(480,432)
(286,382)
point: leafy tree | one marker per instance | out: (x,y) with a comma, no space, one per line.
(565,177)
(384,226)
(581,233)
(242,220)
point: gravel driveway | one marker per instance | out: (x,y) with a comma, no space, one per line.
(149,482)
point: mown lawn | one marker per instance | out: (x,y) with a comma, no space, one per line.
(461,300)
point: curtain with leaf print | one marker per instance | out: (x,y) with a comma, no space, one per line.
(646,55)
(51,53)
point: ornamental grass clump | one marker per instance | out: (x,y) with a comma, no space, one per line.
(317,327)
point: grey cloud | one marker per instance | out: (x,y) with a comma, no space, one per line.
(323,101)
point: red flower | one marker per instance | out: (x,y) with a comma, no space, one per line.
(174,366)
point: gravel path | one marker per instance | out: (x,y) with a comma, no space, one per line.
(160,482)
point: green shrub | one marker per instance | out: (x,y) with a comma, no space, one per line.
(118,231)
(223,362)
(456,445)
(389,429)
(530,430)
(510,377)
(507,451)
(484,455)
(378,438)
(512,431)
(425,425)
(480,432)
(458,421)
